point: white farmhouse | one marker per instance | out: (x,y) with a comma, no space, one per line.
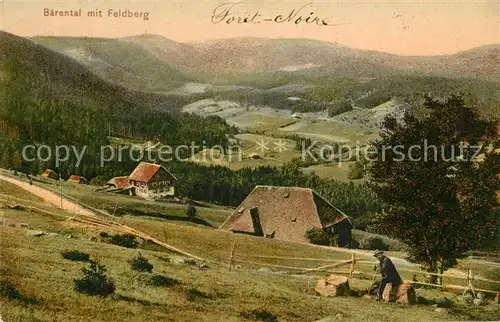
(152,181)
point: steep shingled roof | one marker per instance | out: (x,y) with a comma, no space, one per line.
(145,171)
(119,182)
(77,179)
(289,212)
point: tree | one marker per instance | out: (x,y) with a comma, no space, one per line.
(94,281)
(190,211)
(441,200)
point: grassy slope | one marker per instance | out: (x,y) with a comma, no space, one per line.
(124,63)
(46,277)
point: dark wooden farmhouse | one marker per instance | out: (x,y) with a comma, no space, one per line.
(287,213)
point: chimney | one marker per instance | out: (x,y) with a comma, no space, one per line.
(257,227)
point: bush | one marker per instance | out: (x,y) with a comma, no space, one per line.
(160,280)
(190,211)
(9,291)
(353,244)
(98,181)
(126,240)
(141,264)
(194,294)
(320,237)
(94,281)
(75,255)
(373,243)
(104,234)
(355,171)
(259,315)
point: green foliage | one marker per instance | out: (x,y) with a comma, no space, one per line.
(98,181)
(194,294)
(259,315)
(140,264)
(373,243)
(41,105)
(441,207)
(94,281)
(9,291)
(320,237)
(125,240)
(161,280)
(75,255)
(356,171)
(191,211)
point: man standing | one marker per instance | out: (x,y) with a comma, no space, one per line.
(388,272)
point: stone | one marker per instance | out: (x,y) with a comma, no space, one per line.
(480,295)
(177,260)
(203,267)
(402,294)
(497,298)
(337,317)
(442,310)
(388,294)
(333,286)
(478,302)
(405,294)
(265,270)
(35,233)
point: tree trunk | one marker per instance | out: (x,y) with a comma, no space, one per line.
(433,268)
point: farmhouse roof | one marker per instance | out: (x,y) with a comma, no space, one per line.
(76,179)
(119,182)
(49,172)
(145,171)
(288,212)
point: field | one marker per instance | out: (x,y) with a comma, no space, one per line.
(205,293)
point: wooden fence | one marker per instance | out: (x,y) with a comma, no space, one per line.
(354,262)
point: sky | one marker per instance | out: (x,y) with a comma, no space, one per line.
(400,27)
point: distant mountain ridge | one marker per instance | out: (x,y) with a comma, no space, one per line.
(202,61)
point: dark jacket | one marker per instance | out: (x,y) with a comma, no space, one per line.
(388,270)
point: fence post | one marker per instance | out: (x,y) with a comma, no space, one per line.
(470,287)
(231,256)
(353,259)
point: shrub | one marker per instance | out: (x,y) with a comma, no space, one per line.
(98,181)
(126,240)
(9,291)
(353,244)
(160,280)
(320,237)
(355,171)
(94,281)
(259,315)
(194,294)
(373,243)
(75,255)
(104,234)
(190,211)
(141,264)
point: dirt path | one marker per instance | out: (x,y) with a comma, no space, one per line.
(50,197)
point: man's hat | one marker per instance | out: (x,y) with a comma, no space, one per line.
(378,252)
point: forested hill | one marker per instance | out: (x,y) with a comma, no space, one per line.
(51,99)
